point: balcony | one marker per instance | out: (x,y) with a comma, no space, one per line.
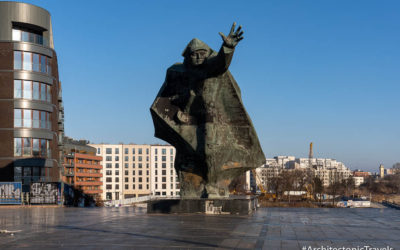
(93,191)
(83,174)
(88,183)
(70,173)
(68,165)
(83,165)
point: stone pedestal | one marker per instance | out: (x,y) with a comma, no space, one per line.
(240,205)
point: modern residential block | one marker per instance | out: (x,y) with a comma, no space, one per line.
(30,132)
(135,170)
(82,168)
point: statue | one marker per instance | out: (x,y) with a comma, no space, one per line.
(199,111)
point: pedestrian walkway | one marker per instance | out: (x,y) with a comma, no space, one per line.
(131,227)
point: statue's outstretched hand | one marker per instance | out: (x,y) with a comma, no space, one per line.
(234,37)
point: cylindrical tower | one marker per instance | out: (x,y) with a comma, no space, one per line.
(30,128)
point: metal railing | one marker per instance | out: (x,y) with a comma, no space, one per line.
(130,201)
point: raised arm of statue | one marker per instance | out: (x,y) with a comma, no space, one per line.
(220,63)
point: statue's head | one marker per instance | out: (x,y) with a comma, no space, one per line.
(196,52)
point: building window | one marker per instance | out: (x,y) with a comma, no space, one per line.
(108,165)
(155,158)
(108,172)
(164,179)
(133,158)
(140,158)
(155,151)
(163,151)
(108,158)
(133,150)
(126,151)
(140,172)
(23,35)
(140,151)
(126,179)
(126,172)
(98,151)
(32,62)
(133,186)
(140,186)
(164,172)
(108,151)
(108,179)
(133,179)
(133,172)
(164,165)
(117,186)
(32,90)
(116,179)
(140,165)
(163,158)
(108,187)
(116,158)
(171,151)
(27,118)
(164,186)
(147,151)
(116,165)
(147,158)
(126,158)
(126,186)
(126,165)
(147,186)
(116,172)
(140,179)
(32,147)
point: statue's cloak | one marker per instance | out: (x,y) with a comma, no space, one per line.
(199,110)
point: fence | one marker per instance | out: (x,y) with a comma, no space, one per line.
(137,200)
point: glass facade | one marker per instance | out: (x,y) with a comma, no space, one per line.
(27,36)
(32,62)
(32,90)
(28,118)
(32,147)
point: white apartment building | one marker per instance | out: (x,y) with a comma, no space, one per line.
(132,170)
(328,170)
(112,170)
(358,180)
(136,171)
(164,180)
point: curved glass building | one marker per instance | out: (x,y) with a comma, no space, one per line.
(31,124)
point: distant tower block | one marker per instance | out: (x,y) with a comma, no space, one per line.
(311,154)
(382,171)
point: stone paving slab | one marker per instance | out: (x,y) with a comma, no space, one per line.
(133,228)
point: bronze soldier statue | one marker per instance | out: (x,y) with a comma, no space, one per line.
(199,111)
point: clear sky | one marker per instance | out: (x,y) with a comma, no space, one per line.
(310,71)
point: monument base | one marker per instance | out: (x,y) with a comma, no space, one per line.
(233,205)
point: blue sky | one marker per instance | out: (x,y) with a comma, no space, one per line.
(310,71)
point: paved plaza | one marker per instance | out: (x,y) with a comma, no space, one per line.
(132,228)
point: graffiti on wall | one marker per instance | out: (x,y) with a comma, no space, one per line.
(10,192)
(44,193)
